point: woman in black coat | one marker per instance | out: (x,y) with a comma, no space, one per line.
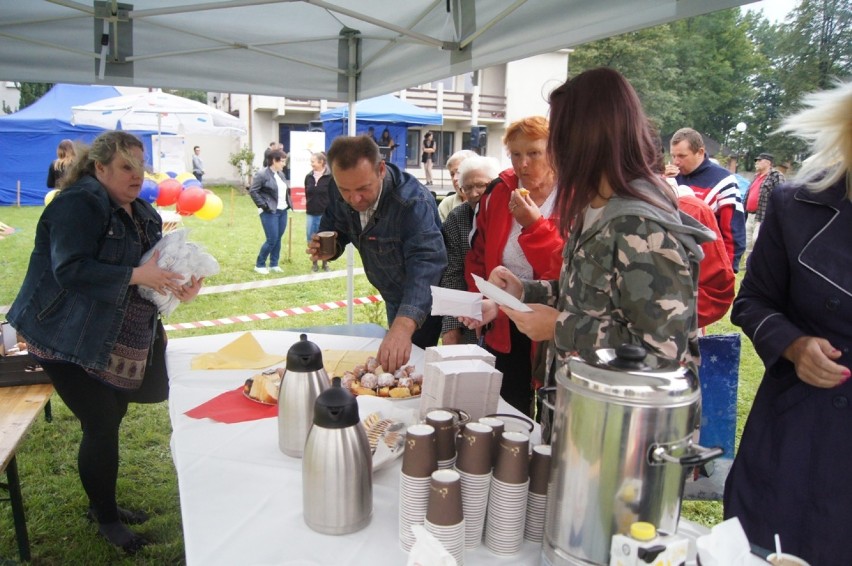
(317,198)
(791,476)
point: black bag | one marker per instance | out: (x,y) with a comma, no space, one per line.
(155,383)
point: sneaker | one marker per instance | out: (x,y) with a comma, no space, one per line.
(261,270)
(276,269)
(314,268)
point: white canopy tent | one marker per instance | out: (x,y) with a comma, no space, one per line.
(343,50)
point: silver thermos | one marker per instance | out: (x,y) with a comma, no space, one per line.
(304,379)
(337,469)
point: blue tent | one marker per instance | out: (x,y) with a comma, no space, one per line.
(380,113)
(28,139)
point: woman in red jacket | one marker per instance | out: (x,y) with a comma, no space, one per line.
(515,226)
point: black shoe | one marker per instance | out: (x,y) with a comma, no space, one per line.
(126,516)
(118,535)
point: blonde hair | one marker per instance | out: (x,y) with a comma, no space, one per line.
(826,124)
(103,150)
(65,155)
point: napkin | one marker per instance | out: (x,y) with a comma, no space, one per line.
(233,407)
(243,353)
(338,361)
(726,545)
(452,302)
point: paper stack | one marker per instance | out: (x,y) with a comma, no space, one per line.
(470,385)
(457,352)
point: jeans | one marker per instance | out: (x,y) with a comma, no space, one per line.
(274,224)
(312,226)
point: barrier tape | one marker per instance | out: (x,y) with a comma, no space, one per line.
(273,314)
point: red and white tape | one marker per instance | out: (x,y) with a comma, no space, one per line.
(273,314)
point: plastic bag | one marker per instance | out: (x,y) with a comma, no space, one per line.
(182,257)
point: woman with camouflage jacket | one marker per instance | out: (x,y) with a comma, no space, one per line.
(630,264)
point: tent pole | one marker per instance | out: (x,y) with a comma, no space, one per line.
(350,249)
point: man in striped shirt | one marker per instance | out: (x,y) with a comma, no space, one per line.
(711,183)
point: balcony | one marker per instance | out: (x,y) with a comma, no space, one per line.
(458,105)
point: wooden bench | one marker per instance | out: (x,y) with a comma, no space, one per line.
(19,407)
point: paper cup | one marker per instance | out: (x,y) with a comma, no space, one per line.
(420,458)
(474,449)
(540,469)
(785,559)
(513,465)
(499,428)
(327,242)
(445,499)
(445,433)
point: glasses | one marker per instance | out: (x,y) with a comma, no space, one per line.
(474,187)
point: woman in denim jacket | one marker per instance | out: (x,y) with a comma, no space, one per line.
(82,316)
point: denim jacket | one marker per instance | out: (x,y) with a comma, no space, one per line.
(72,301)
(402,247)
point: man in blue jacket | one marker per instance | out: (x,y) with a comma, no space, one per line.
(713,184)
(393,222)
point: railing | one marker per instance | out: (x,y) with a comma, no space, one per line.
(458,105)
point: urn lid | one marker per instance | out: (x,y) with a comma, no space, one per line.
(630,373)
(304,356)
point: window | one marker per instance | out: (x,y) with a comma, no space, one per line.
(446,143)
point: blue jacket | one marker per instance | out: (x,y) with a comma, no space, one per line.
(72,301)
(402,247)
(791,473)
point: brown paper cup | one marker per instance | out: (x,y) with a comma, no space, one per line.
(445,499)
(499,428)
(474,449)
(445,432)
(513,464)
(540,469)
(420,458)
(327,242)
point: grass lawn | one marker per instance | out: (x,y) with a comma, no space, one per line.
(55,502)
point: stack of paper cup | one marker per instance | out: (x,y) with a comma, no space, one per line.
(444,515)
(445,436)
(507,500)
(418,462)
(537,496)
(473,464)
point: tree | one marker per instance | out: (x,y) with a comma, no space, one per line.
(30,92)
(197,95)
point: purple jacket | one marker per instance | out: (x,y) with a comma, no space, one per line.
(791,475)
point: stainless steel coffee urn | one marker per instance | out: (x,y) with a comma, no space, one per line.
(622,441)
(337,470)
(304,379)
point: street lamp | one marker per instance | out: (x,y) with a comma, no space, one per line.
(741,128)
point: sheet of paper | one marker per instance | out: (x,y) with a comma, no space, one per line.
(452,302)
(499,296)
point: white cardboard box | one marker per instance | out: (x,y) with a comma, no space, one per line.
(458,352)
(470,385)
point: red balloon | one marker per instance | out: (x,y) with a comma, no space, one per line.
(170,190)
(191,200)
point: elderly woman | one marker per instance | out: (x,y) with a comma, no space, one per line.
(517,227)
(457,197)
(474,174)
(270,193)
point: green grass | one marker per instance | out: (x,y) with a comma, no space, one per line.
(55,502)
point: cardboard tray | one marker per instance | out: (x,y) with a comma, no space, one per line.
(20,370)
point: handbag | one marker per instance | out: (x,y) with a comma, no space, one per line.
(155,382)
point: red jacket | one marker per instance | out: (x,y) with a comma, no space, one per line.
(715,274)
(541,243)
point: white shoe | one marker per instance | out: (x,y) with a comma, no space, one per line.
(276,269)
(262,270)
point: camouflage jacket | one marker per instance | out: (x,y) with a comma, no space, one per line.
(631,277)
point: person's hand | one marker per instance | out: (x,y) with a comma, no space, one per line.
(671,170)
(151,275)
(188,291)
(538,325)
(314,250)
(489,313)
(506,280)
(523,208)
(395,349)
(813,357)
(453,336)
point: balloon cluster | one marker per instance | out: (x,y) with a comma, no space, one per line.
(184,191)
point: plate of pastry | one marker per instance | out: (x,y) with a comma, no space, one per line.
(370,379)
(263,388)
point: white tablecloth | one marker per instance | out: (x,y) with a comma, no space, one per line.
(241,497)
